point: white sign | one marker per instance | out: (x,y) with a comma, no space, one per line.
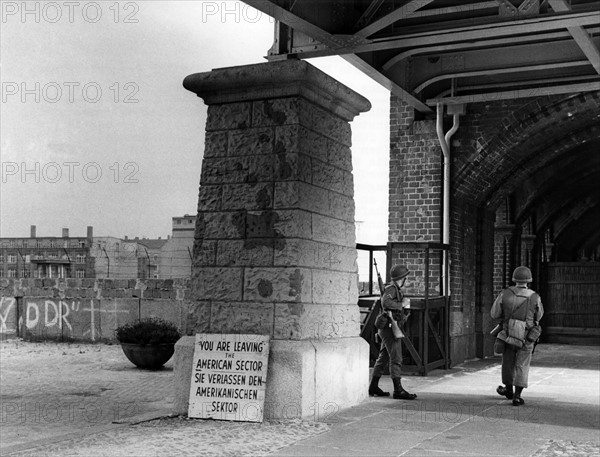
(229,377)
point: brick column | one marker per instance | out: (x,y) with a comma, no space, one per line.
(415,192)
(274,249)
(415,177)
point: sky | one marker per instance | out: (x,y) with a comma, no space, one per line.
(97,130)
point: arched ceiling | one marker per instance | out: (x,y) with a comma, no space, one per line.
(448,51)
(518,152)
(582,234)
(556,185)
(560,187)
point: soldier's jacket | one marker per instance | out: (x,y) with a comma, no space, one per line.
(392,301)
(510,298)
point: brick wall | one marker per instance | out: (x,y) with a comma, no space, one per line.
(497,145)
(87,309)
(415,177)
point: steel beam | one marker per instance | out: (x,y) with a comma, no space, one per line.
(448,36)
(500,71)
(502,42)
(386,82)
(581,37)
(517,93)
(403,12)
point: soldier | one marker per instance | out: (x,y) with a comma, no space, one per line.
(391,347)
(520,309)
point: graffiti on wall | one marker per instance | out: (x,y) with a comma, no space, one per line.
(7,305)
(75,319)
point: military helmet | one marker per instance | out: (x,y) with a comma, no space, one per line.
(398,272)
(522,274)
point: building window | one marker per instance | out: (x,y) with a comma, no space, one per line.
(52,243)
(12,273)
(1,272)
(80,273)
(25,273)
(11,243)
(80,258)
(82,244)
(52,255)
(1,258)
(156,257)
(12,258)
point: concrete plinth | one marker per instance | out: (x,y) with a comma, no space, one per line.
(310,378)
(275,247)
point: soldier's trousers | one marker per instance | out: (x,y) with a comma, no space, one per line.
(390,353)
(515,364)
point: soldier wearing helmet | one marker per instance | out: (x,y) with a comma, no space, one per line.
(392,301)
(520,309)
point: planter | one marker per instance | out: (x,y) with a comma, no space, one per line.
(148,356)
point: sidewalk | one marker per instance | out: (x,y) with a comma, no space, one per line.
(88,400)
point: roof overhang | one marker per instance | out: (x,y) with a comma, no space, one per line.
(431,52)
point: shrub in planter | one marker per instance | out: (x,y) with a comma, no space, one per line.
(148,343)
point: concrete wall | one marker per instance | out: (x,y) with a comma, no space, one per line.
(86,309)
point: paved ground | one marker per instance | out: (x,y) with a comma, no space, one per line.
(88,400)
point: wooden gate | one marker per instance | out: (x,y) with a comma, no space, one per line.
(427,345)
(571,301)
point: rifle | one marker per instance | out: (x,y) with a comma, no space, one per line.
(379,280)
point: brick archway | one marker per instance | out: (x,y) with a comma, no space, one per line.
(525,138)
(508,160)
(520,169)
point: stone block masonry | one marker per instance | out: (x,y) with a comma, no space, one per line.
(275,224)
(274,249)
(87,309)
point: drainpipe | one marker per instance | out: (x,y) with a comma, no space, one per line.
(444,140)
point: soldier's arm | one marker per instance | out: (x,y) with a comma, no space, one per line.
(496,311)
(539,311)
(390,300)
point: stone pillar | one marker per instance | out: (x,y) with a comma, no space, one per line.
(274,249)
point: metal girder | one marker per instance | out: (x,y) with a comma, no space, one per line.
(477,45)
(499,71)
(343,44)
(368,14)
(403,12)
(580,36)
(389,40)
(516,93)
(327,38)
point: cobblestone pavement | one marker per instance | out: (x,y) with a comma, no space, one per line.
(178,436)
(568,449)
(88,400)
(51,389)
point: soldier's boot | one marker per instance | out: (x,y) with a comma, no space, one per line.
(399,392)
(517,400)
(374,390)
(505,391)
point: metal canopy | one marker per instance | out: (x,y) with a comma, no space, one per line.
(446,51)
